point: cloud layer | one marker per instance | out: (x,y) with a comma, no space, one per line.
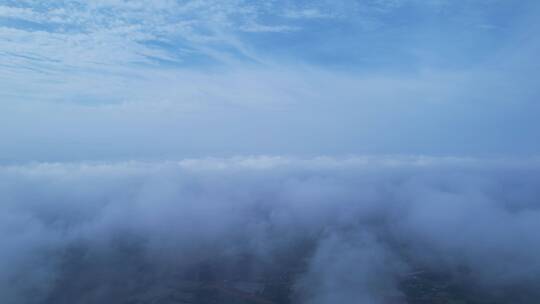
(341,229)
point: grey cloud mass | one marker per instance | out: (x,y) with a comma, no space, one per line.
(342,230)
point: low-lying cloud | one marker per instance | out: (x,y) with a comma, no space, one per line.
(337,230)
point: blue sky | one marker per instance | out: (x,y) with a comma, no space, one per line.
(115,79)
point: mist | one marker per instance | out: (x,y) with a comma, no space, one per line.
(335,230)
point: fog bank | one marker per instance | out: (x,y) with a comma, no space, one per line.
(338,230)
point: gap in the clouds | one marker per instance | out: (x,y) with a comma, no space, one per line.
(27,25)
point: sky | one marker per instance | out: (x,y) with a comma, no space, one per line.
(165,79)
(352,141)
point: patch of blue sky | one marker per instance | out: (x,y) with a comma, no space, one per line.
(27,25)
(408,37)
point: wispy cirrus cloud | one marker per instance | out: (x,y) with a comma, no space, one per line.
(343,68)
(134,31)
